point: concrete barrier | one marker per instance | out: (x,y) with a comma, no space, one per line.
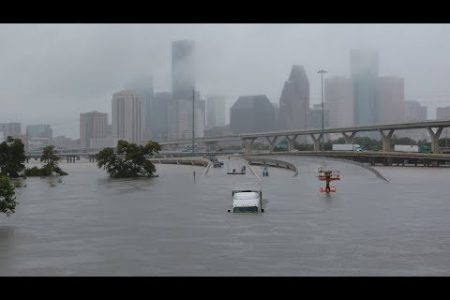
(276,163)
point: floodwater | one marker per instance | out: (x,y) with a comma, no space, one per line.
(88,224)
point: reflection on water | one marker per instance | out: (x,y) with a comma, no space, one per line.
(88,224)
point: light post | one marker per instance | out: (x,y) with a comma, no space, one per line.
(193,116)
(321,72)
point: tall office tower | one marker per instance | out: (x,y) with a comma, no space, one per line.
(443,113)
(93,125)
(315,117)
(252,114)
(294,101)
(338,101)
(179,119)
(183,86)
(215,116)
(183,69)
(391,95)
(159,115)
(415,112)
(126,117)
(142,88)
(40,131)
(11,129)
(364,73)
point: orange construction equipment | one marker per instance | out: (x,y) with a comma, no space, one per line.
(328,176)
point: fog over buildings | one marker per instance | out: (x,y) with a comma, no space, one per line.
(51,73)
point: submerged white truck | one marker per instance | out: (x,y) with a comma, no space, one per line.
(346,147)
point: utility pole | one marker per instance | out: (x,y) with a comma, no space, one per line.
(193,123)
(321,72)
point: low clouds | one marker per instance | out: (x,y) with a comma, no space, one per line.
(52,72)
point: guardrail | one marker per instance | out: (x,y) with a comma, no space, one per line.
(271,162)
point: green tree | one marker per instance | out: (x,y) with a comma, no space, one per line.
(129,160)
(12,157)
(7,196)
(51,159)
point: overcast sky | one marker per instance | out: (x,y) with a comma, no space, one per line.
(50,73)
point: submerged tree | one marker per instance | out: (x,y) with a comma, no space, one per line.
(129,160)
(51,159)
(7,196)
(12,157)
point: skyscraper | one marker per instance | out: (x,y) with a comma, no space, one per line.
(364,73)
(10,129)
(126,117)
(338,101)
(294,101)
(142,88)
(415,112)
(443,113)
(93,125)
(215,116)
(252,114)
(159,115)
(183,69)
(183,86)
(391,100)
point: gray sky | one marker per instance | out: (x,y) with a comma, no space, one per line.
(49,73)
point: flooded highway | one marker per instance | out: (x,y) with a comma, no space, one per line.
(88,224)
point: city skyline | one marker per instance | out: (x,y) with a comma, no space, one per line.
(237,60)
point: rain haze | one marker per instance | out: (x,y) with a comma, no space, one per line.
(50,73)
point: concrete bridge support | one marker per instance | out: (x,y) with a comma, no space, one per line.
(435,138)
(272,142)
(387,138)
(247,144)
(210,146)
(316,139)
(349,138)
(291,141)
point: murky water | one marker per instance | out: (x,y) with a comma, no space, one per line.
(88,224)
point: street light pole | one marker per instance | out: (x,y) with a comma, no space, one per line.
(321,72)
(193,116)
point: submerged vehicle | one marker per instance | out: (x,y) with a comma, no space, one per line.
(247,197)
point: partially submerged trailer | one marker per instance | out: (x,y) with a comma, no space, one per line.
(247,197)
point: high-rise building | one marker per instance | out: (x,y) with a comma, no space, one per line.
(93,125)
(294,101)
(126,117)
(179,119)
(338,101)
(443,113)
(364,74)
(10,129)
(39,136)
(179,114)
(159,114)
(39,131)
(183,69)
(215,116)
(415,112)
(252,114)
(315,117)
(142,88)
(391,100)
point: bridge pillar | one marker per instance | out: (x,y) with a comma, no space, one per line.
(316,141)
(291,141)
(349,138)
(272,141)
(387,138)
(435,138)
(210,146)
(247,144)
